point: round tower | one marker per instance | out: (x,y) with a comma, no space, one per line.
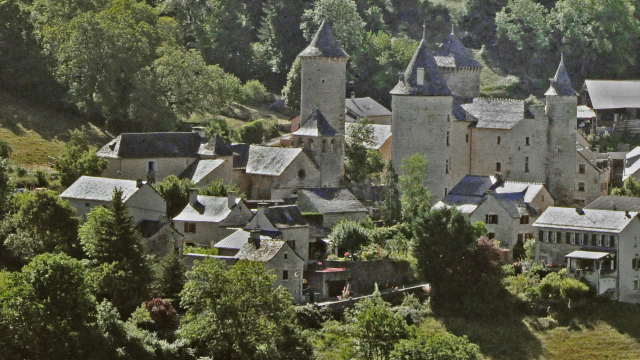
(421,121)
(561,110)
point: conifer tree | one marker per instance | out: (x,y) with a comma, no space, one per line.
(391,204)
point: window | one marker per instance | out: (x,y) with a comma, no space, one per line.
(151,166)
(567,238)
(580,239)
(526,141)
(446,167)
(499,140)
(526,164)
(292,243)
(447,138)
(524,219)
(520,237)
(498,167)
(636,283)
(610,241)
(593,239)
(445,191)
(189,227)
(333,144)
(302,174)
(545,236)
(635,262)
(580,186)
(285,274)
(573,239)
(448,118)
(582,168)
(492,235)
(420,76)
(491,219)
(323,81)
(467,137)
(600,240)
(554,237)
(542,200)
(87,205)
(286,256)
(324,145)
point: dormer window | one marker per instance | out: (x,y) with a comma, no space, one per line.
(420,76)
(302,174)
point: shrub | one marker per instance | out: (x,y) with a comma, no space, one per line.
(572,289)
(162,313)
(253,91)
(436,346)
(374,252)
(252,132)
(349,236)
(20,171)
(41,179)
(550,286)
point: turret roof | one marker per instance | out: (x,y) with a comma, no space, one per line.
(324,44)
(453,47)
(561,84)
(434,84)
(316,125)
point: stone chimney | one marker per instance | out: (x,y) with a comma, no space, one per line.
(579,210)
(254,238)
(200,131)
(353,95)
(231,200)
(193,196)
(139,183)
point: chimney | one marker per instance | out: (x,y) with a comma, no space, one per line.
(200,131)
(193,196)
(499,180)
(579,210)
(254,238)
(139,183)
(626,213)
(231,199)
(353,95)
(400,76)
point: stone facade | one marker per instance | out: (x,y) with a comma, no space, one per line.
(463,81)
(133,169)
(561,175)
(287,260)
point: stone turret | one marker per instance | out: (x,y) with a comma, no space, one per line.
(561,110)
(322,104)
(459,68)
(421,105)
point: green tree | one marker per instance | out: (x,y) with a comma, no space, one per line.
(6,187)
(175,192)
(480,229)
(253,132)
(119,269)
(218,126)
(5,150)
(42,222)
(360,161)
(170,276)
(346,23)
(223,322)
(631,187)
(477,18)
(292,90)
(440,345)
(391,200)
(349,235)
(220,188)
(415,195)
(78,159)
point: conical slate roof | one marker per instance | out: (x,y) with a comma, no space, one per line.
(434,83)
(324,44)
(453,46)
(561,84)
(316,125)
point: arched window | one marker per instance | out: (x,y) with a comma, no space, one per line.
(324,145)
(302,174)
(333,145)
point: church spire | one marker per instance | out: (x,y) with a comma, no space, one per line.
(324,44)
(560,83)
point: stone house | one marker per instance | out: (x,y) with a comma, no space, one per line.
(160,237)
(204,172)
(142,200)
(366,108)
(598,245)
(333,203)
(508,208)
(612,99)
(230,245)
(206,219)
(593,175)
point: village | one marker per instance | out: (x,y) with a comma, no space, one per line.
(490,188)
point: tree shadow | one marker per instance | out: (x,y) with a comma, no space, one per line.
(623,317)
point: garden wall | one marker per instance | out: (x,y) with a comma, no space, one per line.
(365,274)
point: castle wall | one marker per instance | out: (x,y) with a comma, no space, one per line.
(324,87)
(460,140)
(420,125)
(464,82)
(486,152)
(534,154)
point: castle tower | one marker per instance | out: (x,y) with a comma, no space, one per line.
(459,68)
(421,105)
(561,110)
(322,104)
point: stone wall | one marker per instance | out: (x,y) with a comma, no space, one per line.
(561,158)
(324,87)
(464,82)
(365,274)
(133,169)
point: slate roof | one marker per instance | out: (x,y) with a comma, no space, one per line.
(240,155)
(316,125)
(152,145)
(452,47)
(434,83)
(99,188)
(271,161)
(212,209)
(381,133)
(332,200)
(633,153)
(614,94)
(632,163)
(149,228)
(585,112)
(236,240)
(324,44)
(215,146)
(473,185)
(617,155)
(199,169)
(561,84)
(631,170)
(267,250)
(285,216)
(495,113)
(364,107)
(593,220)
(620,203)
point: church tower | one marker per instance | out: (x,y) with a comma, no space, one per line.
(421,105)
(561,110)
(459,68)
(322,105)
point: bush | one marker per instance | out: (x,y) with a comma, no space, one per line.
(253,132)
(253,91)
(349,236)
(550,286)
(436,346)
(572,289)
(20,171)
(374,252)
(41,179)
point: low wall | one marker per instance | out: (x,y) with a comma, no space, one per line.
(394,297)
(365,274)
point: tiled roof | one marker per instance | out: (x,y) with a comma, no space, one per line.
(561,84)
(316,125)
(199,169)
(434,83)
(590,219)
(152,145)
(363,107)
(495,113)
(453,47)
(613,94)
(324,44)
(267,250)
(272,161)
(236,240)
(381,133)
(212,209)
(99,188)
(332,200)
(620,203)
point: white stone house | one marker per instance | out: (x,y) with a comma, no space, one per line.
(508,208)
(333,203)
(206,219)
(230,245)
(142,200)
(601,246)
(593,175)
